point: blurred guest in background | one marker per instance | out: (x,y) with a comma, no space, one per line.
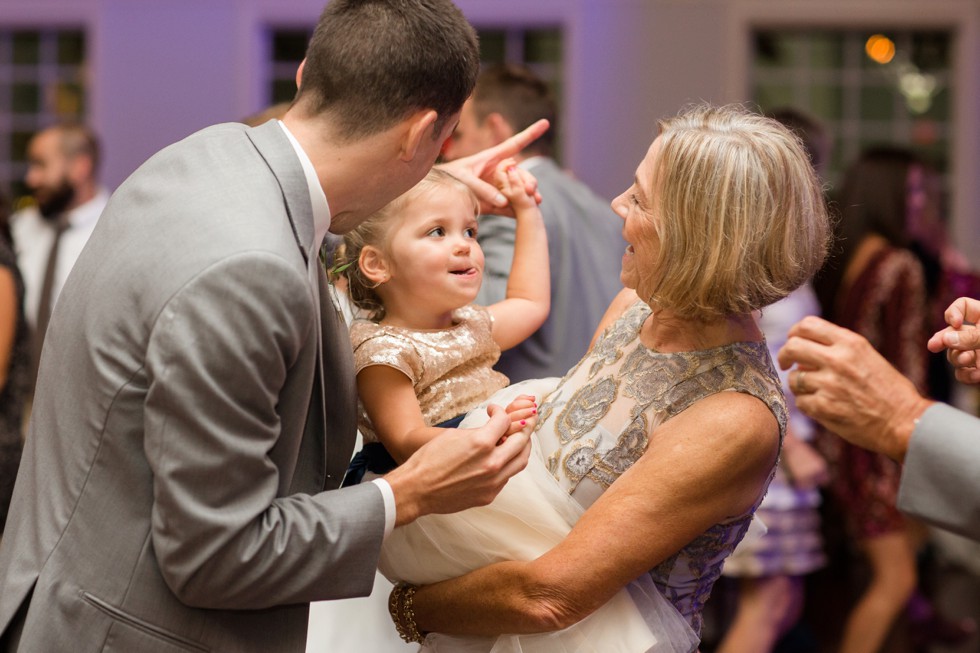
(15,364)
(948,273)
(771,568)
(874,285)
(62,176)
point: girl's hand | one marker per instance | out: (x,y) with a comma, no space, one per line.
(477,169)
(523,414)
(513,183)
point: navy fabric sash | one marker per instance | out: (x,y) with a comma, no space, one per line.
(373,457)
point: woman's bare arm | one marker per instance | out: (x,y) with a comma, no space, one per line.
(705,465)
(8,322)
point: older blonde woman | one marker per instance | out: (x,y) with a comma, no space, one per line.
(665,435)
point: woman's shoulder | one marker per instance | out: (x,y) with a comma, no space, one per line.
(740,372)
(625,311)
(892,270)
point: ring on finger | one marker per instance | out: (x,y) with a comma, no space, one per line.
(801,388)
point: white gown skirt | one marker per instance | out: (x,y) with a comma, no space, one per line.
(530,516)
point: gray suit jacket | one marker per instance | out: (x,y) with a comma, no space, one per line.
(170,494)
(941,477)
(585,247)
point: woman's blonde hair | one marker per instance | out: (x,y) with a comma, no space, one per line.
(739,212)
(375,231)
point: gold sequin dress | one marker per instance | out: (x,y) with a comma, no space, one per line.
(451,369)
(592,427)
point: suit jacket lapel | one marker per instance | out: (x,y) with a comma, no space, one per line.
(275,148)
(329,433)
(337,360)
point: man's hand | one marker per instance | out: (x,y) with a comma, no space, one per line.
(459,469)
(477,170)
(961,339)
(843,383)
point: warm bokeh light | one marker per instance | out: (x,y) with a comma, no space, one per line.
(880,48)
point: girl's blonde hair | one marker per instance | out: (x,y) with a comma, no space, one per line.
(739,212)
(375,231)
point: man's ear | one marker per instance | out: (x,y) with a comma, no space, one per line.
(373,264)
(418,126)
(299,73)
(499,128)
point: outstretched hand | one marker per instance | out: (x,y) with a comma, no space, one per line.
(477,170)
(961,339)
(841,381)
(459,469)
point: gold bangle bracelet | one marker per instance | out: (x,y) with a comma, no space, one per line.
(400,605)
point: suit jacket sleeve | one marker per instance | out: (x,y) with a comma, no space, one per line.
(496,236)
(940,481)
(219,356)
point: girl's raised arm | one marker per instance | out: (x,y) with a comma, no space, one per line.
(528,298)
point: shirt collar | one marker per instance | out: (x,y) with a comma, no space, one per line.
(318,199)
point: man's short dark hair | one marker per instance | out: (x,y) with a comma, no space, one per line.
(521,97)
(372,63)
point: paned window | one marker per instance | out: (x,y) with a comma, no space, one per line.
(867,88)
(42,81)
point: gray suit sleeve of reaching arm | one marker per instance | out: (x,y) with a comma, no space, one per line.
(940,480)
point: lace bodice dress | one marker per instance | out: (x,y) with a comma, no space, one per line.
(593,425)
(599,420)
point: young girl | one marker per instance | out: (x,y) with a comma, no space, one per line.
(425,355)
(423,359)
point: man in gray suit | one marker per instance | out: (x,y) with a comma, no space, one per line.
(842,382)
(196,392)
(585,243)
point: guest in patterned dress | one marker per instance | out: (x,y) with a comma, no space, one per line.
(653,452)
(875,287)
(948,274)
(15,365)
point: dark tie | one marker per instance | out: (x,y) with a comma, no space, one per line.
(47,289)
(339,385)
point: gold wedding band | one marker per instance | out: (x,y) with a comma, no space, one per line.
(800,388)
